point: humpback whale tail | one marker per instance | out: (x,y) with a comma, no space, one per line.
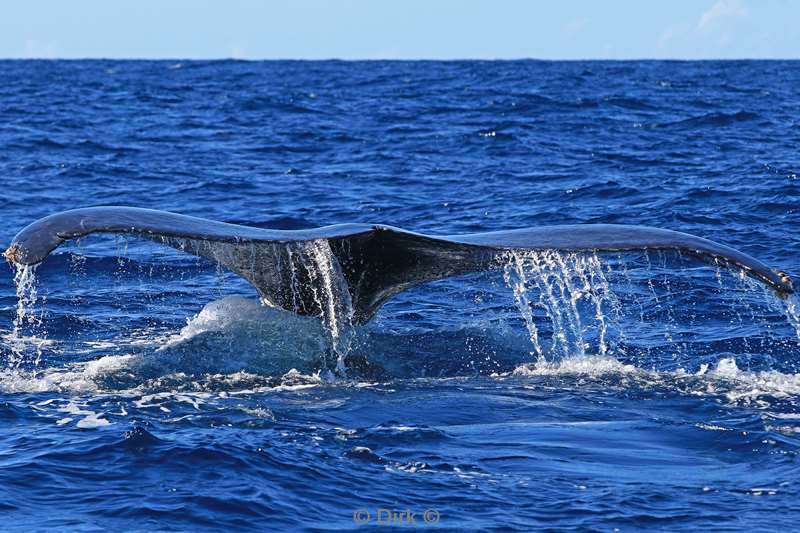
(373,262)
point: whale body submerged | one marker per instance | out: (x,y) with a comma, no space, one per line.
(374,261)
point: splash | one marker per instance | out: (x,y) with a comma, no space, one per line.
(234,334)
(304,277)
(790,307)
(786,306)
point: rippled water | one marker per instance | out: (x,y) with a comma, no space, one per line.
(142,388)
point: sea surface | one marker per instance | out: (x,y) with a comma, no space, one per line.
(143,389)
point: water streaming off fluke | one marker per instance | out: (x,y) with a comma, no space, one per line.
(561,286)
(589,301)
(571,304)
(27,336)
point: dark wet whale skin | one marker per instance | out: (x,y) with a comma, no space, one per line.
(378,261)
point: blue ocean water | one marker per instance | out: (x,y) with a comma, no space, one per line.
(143,389)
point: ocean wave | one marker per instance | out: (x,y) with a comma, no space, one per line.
(712,119)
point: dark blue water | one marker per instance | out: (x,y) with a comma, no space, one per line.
(674,405)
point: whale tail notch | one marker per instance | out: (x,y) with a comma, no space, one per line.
(373,262)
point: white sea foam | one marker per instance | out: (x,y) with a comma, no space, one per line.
(724,379)
(92,421)
(586,365)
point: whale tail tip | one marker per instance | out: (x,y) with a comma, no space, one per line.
(12,254)
(785,278)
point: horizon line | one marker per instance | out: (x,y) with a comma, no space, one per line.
(395,59)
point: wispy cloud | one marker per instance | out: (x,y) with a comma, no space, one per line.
(711,34)
(720,13)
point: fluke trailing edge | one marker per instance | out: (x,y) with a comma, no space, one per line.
(374,261)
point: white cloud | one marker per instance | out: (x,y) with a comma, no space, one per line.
(721,13)
(713,34)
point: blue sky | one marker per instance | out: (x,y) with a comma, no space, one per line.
(401,29)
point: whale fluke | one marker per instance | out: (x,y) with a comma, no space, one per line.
(375,261)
